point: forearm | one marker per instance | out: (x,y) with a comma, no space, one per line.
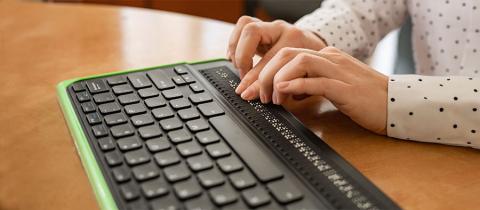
(434,109)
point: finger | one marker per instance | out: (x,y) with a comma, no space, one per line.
(266,77)
(232,43)
(334,90)
(252,37)
(251,92)
(252,75)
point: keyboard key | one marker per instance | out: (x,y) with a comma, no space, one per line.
(116,80)
(188,114)
(223,195)
(96,86)
(180,103)
(150,131)
(200,203)
(106,144)
(200,98)
(188,78)
(93,118)
(261,164)
(196,88)
(210,109)
(178,80)
(145,171)
(242,179)
(129,143)
(113,158)
(166,158)
(133,109)
(177,172)
(103,98)
(130,191)
(162,113)
(139,80)
(256,197)
(218,150)
(197,125)
(199,163)
(181,69)
(137,157)
(148,92)
(119,131)
(83,96)
(302,205)
(88,107)
(171,124)
(237,205)
(138,205)
(121,173)
(155,102)
(189,149)
(168,202)
(229,164)
(179,136)
(207,137)
(115,119)
(122,89)
(284,191)
(211,178)
(78,86)
(155,188)
(172,93)
(109,108)
(158,144)
(99,131)
(141,120)
(128,99)
(187,189)
(162,82)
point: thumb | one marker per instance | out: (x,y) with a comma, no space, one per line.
(334,90)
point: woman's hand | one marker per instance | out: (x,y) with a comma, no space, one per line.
(253,37)
(353,87)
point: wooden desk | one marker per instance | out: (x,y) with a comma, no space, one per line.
(42,44)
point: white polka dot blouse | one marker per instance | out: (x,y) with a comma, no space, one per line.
(442,103)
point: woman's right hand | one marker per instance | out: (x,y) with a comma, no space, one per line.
(252,36)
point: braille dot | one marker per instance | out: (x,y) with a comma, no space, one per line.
(455,98)
(473,131)
(441,109)
(393,80)
(441,85)
(392,125)
(409,86)
(470,78)
(425,98)
(420,80)
(455,125)
(448,79)
(475,90)
(474,109)
(392,99)
(410,113)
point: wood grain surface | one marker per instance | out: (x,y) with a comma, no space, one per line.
(43,44)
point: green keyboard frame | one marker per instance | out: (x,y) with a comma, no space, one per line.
(95,176)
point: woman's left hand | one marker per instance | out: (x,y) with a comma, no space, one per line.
(352,86)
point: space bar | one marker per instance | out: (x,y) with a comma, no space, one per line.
(261,164)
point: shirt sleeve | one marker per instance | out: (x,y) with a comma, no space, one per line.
(434,109)
(355,26)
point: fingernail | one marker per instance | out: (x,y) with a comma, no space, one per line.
(247,94)
(239,89)
(262,98)
(283,85)
(274,97)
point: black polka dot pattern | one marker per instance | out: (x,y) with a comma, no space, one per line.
(442,105)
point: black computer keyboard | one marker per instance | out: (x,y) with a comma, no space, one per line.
(179,138)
